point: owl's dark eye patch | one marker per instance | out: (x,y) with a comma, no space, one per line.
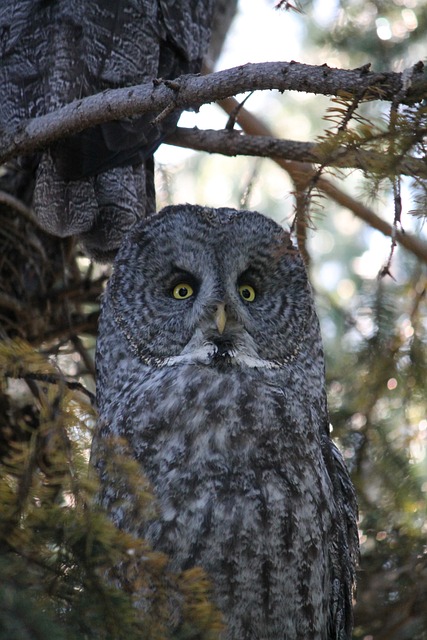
(252,278)
(178,279)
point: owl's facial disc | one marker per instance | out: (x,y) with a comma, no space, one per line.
(217,289)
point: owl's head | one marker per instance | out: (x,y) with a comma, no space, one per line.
(214,287)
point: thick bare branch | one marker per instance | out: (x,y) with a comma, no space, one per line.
(234,143)
(190,92)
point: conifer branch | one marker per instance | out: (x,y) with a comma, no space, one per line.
(301,172)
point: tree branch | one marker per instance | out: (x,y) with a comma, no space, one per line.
(234,143)
(190,92)
(14,203)
(301,174)
(51,378)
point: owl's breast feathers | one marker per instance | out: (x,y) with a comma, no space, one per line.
(238,467)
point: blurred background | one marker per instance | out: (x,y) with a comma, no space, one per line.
(374,328)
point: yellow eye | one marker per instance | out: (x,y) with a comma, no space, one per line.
(247,292)
(182,291)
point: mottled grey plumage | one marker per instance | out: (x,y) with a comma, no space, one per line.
(222,401)
(97,183)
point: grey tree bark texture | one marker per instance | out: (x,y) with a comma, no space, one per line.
(191,92)
(95,184)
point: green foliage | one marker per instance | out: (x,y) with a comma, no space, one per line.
(67,571)
(385,147)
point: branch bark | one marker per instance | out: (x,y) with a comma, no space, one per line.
(190,92)
(234,143)
(187,92)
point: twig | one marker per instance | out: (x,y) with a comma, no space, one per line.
(18,205)
(53,379)
(300,172)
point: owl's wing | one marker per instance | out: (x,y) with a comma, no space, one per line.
(97,183)
(344,546)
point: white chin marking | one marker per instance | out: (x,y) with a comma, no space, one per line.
(206,356)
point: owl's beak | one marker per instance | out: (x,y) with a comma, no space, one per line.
(220,318)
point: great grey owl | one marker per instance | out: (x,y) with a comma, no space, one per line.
(210,366)
(96,184)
